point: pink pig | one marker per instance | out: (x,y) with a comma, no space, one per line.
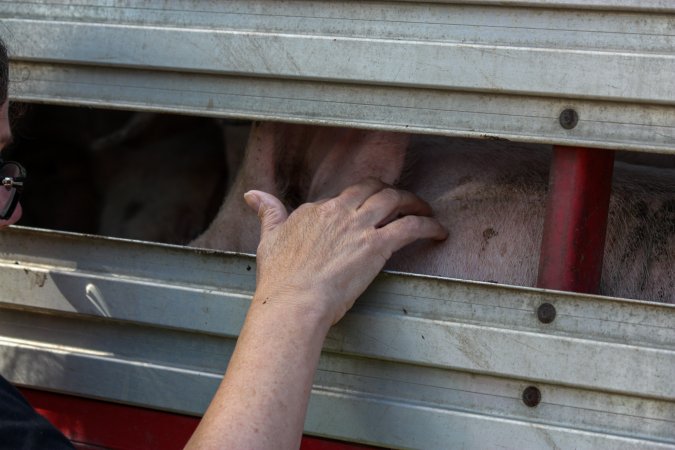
(489,194)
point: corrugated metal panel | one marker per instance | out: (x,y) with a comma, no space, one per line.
(504,69)
(420,362)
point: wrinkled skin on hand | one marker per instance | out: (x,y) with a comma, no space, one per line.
(331,250)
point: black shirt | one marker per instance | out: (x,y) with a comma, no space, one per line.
(22,428)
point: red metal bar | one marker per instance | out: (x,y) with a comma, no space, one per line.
(576,219)
(98,424)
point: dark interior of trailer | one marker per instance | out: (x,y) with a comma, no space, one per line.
(146,176)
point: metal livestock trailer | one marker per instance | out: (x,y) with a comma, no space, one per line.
(123,343)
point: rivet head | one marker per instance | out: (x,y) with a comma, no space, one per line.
(546,313)
(568,119)
(531,396)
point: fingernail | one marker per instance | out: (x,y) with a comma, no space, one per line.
(252,199)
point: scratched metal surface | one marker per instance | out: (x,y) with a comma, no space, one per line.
(419,363)
(503,69)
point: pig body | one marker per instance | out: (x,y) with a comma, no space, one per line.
(491,196)
(159,192)
(299,163)
(640,246)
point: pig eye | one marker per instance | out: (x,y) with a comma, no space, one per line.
(12,176)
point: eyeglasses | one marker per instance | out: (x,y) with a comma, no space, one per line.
(12,176)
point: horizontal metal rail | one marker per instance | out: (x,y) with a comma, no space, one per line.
(419,362)
(495,69)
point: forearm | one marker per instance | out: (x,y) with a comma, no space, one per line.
(312,265)
(262,400)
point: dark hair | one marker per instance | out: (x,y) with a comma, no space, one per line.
(4,72)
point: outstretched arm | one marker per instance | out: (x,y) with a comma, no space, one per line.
(312,265)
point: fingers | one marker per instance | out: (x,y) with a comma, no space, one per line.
(389,203)
(354,196)
(408,229)
(271,211)
(376,204)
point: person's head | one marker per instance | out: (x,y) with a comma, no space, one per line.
(5,130)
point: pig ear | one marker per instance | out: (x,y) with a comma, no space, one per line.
(349,155)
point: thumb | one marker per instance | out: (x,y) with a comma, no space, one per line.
(271,211)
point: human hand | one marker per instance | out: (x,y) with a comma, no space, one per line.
(325,254)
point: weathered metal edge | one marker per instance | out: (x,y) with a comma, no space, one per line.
(461,114)
(422,320)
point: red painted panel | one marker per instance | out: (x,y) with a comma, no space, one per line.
(111,425)
(576,219)
(92,424)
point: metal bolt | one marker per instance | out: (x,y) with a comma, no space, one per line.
(568,119)
(546,313)
(531,396)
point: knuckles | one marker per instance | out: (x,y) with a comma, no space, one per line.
(328,207)
(392,195)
